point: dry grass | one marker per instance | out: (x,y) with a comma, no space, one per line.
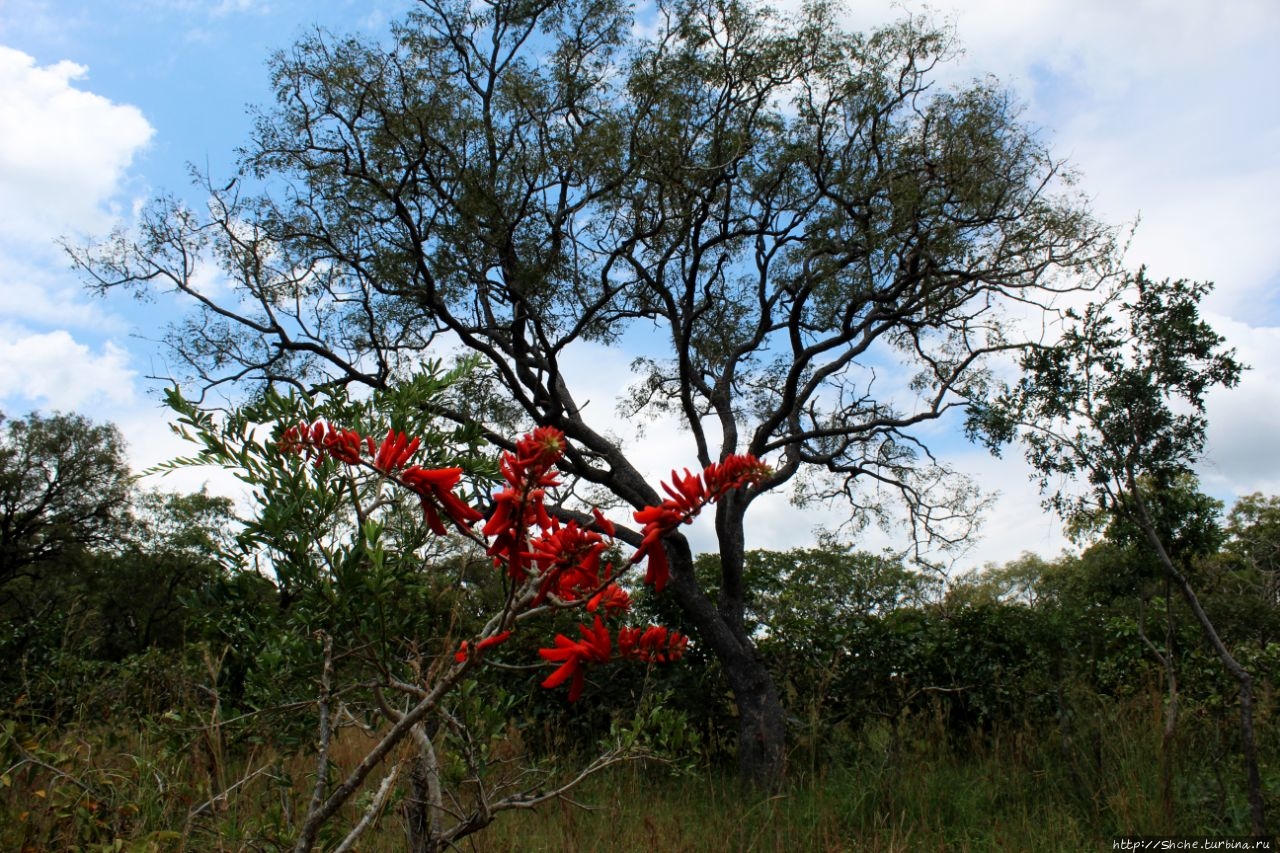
(170,788)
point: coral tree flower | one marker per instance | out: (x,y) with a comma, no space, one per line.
(565,559)
(568,558)
(688,494)
(434,488)
(572,655)
(394,451)
(529,472)
(319,439)
(613,599)
(654,644)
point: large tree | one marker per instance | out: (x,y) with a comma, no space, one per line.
(815,242)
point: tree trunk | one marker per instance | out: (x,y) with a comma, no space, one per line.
(422,806)
(761,724)
(1248,741)
(761,719)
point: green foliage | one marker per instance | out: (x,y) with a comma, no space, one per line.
(347,555)
(1119,399)
(111,576)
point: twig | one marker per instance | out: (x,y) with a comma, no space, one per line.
(371,813)
(322,759)
(223,795)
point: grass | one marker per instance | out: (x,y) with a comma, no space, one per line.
(952,799)
(155,788)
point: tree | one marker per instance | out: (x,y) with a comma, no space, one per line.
(176,546)
(65,488)
(811,612)
(1119,402)
(787,209)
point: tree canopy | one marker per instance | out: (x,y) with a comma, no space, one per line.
(65,487)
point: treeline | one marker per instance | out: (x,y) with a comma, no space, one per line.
(145,611)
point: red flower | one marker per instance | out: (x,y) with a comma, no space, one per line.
(688,495)
(394,452)
(594,647)
(486,643)
(341,444)
(613,598)
(654,644)
(734,472)
(529,471)
(318,439)
(568,558)
(434,488)
(541,448)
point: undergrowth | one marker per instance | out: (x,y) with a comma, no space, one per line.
(168,785)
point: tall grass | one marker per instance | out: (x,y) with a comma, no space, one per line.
(913,787)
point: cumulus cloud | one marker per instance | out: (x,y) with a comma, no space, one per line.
(37,294)
(64,151)
(64,155)
(52,369)
(1243,450)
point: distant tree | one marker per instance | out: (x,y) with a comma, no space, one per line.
(1253,535)
(65,488)
(175,546)
(815,243)
(1118,402)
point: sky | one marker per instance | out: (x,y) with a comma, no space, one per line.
(1167,109)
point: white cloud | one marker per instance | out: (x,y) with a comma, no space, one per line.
(64,154)
(43,294)
(232,7)
(152,442)
(54,370)
(1243,451)
(63,151)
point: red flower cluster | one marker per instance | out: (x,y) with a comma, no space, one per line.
(321,439)
(654,644)
(613,599)
(594,647)
(529,472)
(394,452)
(688,495)
(564,559)
(434,487)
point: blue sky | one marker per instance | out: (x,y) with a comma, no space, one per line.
(1167,108)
